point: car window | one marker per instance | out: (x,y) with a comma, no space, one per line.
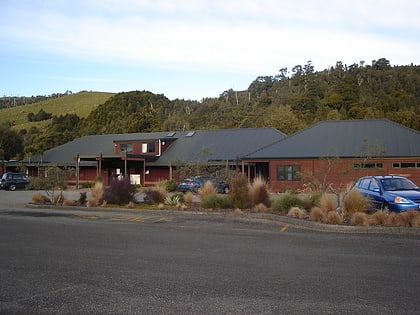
(364,183)
(374,185)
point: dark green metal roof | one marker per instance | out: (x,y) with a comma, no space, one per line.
(188,146)
(345,138)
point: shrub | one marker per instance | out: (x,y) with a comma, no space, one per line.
(215,201)
(296,212)
(354,202)
(285,201)
(327,202)
(239,192)
(317,215)
(259,192)
(359,218)
(175,199)
(69,202)
(171,185)
(120,192)
(82,198)
(312,200)
(154,196)
(334,218)
(86,185)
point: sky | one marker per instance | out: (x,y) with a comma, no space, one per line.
(190,49)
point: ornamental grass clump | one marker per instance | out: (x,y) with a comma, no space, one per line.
(327,202)
(317,215)
(97,194)
(239,192)
(207,189)
(379,218)
(285,201)
(38,198)
(354,202)
(296,212)
(359,218)
(334,218)
(259,192)
(189,198)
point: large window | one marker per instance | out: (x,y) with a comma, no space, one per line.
(288,172)
(406,165)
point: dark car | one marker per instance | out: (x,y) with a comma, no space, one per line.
(390,193)
(12,181)
(196,182)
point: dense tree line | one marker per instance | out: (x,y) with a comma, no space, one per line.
(290,100)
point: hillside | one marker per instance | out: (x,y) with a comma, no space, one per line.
(79,103)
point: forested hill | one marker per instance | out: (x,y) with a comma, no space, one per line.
(289,100)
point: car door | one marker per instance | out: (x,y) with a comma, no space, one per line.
(375,194)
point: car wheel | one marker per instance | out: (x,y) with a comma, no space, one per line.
(385,207)
(12,187)
(226,190)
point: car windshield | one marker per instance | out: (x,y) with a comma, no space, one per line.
(398,184)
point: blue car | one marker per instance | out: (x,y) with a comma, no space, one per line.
(390,193)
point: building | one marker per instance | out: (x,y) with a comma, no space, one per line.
(334,153)
(151,157)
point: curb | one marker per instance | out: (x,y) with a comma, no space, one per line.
(262,218)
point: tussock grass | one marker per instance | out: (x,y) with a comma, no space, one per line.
(68,202)
(318,215)
(327,202)
(359,218)
(39,198)
(379,218)
(261,208)
(239,196)
(409,218)
(285,201)
(98,191)
(207,189)
(259,192)
(334,218)
(296,212)
(354,202)
(188,198)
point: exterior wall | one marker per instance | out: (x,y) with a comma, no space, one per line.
(155,175)
(337,173)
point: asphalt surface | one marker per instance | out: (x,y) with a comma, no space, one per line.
(117,262)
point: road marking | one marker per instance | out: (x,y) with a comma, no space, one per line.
(160,220)
(284,228)
(92,217)
(137,219)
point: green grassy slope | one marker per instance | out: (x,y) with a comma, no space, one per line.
(79,103)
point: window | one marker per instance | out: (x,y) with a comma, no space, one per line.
(190,134)
(126,147)
(405,165)
(374,185)
(148,147)
(288,172)
(368,165)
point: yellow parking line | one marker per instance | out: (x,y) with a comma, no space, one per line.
(137,219)
(284,228)
(160,220)
(118,219)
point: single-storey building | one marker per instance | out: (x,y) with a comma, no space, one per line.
(335,153)
(151,157)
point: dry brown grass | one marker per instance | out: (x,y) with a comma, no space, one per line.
(379,218)
(98,192)
(355,202)
(334,218)
(327,202)
(39,198)
(296,212)
(259,192)
(188,198)
(207,189)
(409,218)
(130,205)
(317,215)
(359,218)
(261,208)
(68,202)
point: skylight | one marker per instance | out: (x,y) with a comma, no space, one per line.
(190,134)
(171,134)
